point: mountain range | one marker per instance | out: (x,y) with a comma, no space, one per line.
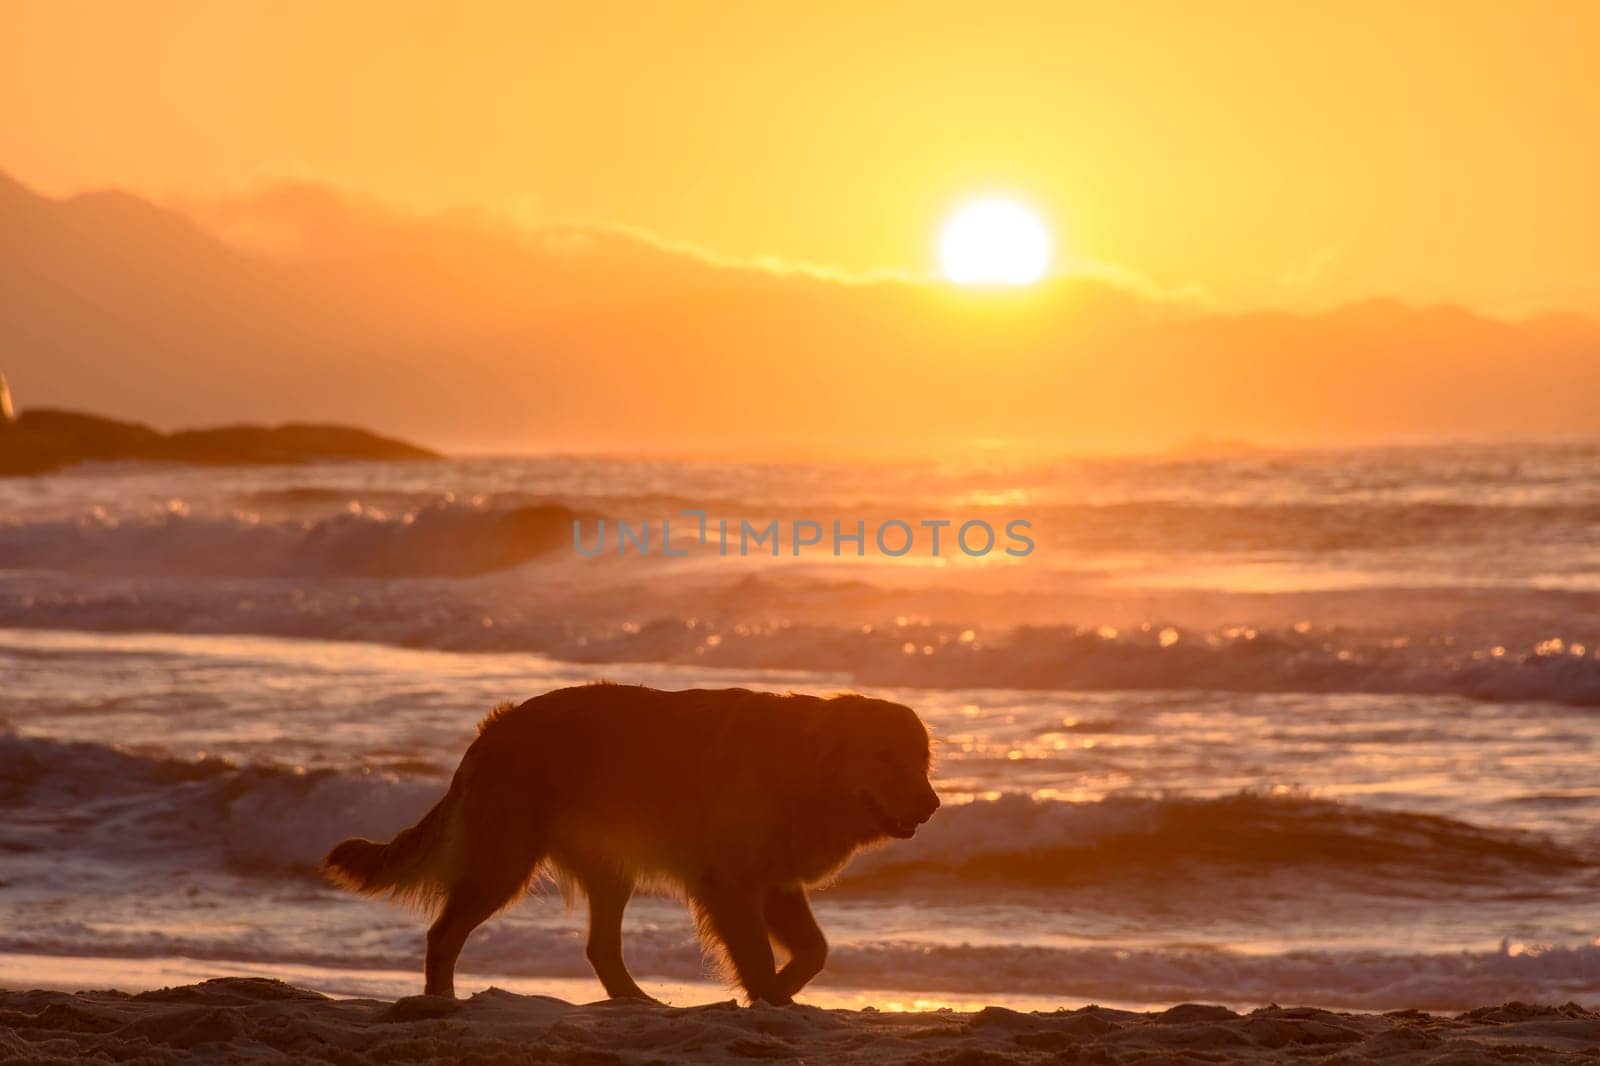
(470,332)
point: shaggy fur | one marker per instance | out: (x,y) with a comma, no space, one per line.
(736,799)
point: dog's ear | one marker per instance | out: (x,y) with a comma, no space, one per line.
(826,733)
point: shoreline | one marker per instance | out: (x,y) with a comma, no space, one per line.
(252,1019)
(135,975)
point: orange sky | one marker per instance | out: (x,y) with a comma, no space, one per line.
(1269,154)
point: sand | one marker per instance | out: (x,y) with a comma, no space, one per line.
(258,1020)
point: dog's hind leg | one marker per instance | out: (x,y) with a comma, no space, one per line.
(733,916)
(608,897)
(466,908)
(793,926)
(497,863)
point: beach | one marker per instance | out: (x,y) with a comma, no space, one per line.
(1021,533)
(1305,729)
(264,1021)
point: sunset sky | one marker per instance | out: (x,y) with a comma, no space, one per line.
(1262,155)
(729,228)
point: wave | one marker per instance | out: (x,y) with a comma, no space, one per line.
(1352,980)
(443,539)
(1345,525)
(120,820)
(356,531)
(572,614)
(514,946)
(1015,839)
(1348,979)
(1296,658)
(131,807)
(128,807)
(1157,525)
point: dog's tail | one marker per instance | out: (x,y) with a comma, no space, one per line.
(417,867)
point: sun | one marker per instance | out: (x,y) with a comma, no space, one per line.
(994,241)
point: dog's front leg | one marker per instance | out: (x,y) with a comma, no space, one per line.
(793,925)
(733,916)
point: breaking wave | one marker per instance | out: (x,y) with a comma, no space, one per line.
(134,807)
(578,622)
(310,529)
(1019,840)
(1349,979)
(1298,658)
(444,539)
(84,811)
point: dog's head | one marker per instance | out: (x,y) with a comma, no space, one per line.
(875,755)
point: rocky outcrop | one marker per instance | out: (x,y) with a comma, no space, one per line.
(42,440)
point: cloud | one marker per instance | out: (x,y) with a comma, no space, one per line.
(464,330)
(304,219)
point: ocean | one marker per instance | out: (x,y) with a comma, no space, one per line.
(1310,727)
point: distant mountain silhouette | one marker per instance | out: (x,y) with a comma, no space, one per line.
(43,440)
(470,332)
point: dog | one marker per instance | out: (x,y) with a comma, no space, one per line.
(736,800)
